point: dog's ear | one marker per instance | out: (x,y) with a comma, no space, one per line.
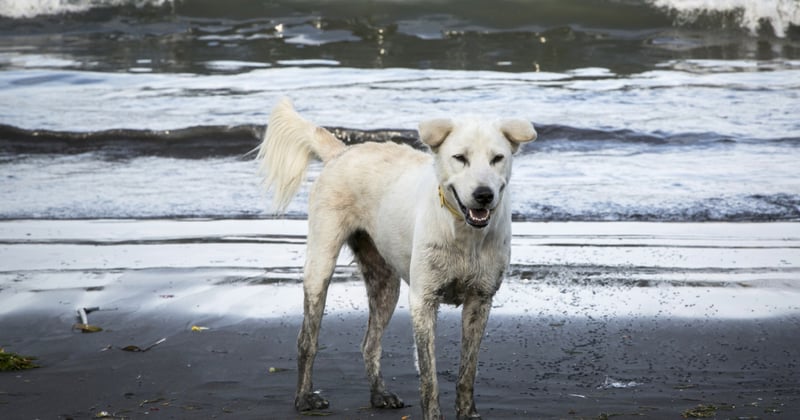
(433,132)
(517,132)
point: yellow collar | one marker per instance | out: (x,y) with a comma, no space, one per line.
(444,203)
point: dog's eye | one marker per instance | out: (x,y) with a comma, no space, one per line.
(461,158)
(497,159)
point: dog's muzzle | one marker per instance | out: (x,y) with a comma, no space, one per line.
(476,217)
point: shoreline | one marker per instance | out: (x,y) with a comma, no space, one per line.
(618,319)
(689,270)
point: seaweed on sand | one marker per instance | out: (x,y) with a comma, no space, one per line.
(13,361)
(701,411)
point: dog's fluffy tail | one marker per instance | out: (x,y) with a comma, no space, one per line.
(288,145)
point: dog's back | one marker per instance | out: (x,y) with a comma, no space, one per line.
(359,178)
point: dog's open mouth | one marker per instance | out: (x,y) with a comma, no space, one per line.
(478,218)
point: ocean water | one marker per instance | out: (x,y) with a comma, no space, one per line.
(661,110)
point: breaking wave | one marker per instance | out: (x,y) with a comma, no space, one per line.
(25,9)
(753,15)
(779,16)
(231,141)
(569,174)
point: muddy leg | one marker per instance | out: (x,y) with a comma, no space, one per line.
(423,318)
(383,289)
(382,301)
(320,263)
(474,315)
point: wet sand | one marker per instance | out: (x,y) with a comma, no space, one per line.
(617,319)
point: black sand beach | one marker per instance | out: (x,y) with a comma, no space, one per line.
(531,367)
(556,347)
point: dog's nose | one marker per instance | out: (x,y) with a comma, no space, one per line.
(483,195)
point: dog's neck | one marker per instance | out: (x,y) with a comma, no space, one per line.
(446,204)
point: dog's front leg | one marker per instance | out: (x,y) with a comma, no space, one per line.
(423,317)
(474,315)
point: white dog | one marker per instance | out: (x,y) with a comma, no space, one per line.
(440,221)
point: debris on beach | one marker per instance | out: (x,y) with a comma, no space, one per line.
(702,411)
(107,415)
(613,383)
(84,325)
(13,361)
(196,328)
(137,349)
(316,413)
(608,416)
(273,369)
(160,400)
(86,328)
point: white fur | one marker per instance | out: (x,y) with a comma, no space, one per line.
(391,193)
(285,152)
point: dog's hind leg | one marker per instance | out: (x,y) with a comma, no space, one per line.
(383,289)
(324,242)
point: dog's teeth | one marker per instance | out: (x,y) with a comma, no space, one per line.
(473,216)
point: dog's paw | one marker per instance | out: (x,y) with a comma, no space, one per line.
(310,401)
(468,414)
(386,400)
(432,415)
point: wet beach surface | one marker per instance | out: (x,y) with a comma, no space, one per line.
(616,319)
(530,367)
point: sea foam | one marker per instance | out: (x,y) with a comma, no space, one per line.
(749,14)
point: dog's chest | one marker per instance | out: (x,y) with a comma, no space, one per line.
(458,271)
(453,291)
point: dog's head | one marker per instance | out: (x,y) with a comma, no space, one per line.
(473,161)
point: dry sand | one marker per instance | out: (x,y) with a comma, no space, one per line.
(620,319)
